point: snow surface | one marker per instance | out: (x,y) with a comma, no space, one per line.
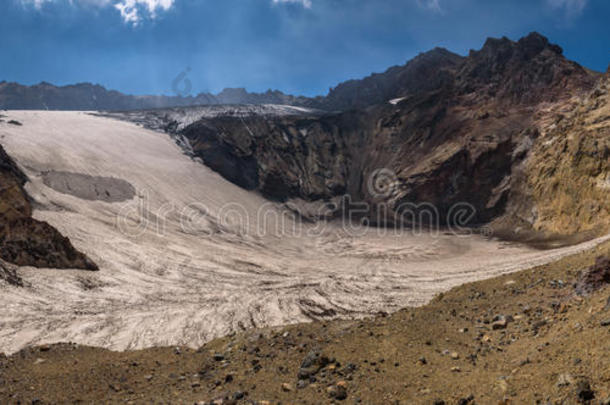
(395,101)
(195,272)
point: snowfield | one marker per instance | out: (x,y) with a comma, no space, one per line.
(190,257)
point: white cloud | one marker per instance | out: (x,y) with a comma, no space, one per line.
(131,10)
(304,3)
(36,3)
(134,11)
(572,8)
(39,3)
(432,5)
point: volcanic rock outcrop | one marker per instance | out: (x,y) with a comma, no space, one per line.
(469,136)
(23,240)
(571,163)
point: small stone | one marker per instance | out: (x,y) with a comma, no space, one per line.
(583,391)
(45,348)
(499,324)
(455,355)
(456,369)
(287,387)
(502,385)
(195,385)
(422,361)
(218,357)
(539,324)
(466,401)
(337,392)
(312,364)
(605,322)
(564,380)
(148,377)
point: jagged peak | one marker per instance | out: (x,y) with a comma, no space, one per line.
(435,54)
(536,43)
(530,45)
(495,43)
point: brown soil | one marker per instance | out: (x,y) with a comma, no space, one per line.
(555,348)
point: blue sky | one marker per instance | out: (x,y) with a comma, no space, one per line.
(297,46)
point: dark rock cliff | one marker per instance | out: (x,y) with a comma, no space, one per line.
(25,241)
(458,131)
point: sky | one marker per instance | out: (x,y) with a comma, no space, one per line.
(297,46)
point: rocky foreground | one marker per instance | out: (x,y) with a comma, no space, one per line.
(538,336)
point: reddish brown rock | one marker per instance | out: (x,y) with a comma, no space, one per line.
(25,241)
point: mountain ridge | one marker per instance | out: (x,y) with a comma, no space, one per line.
(412,77)
(453,130)
(88,96)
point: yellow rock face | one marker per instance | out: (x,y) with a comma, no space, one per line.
(569,170)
